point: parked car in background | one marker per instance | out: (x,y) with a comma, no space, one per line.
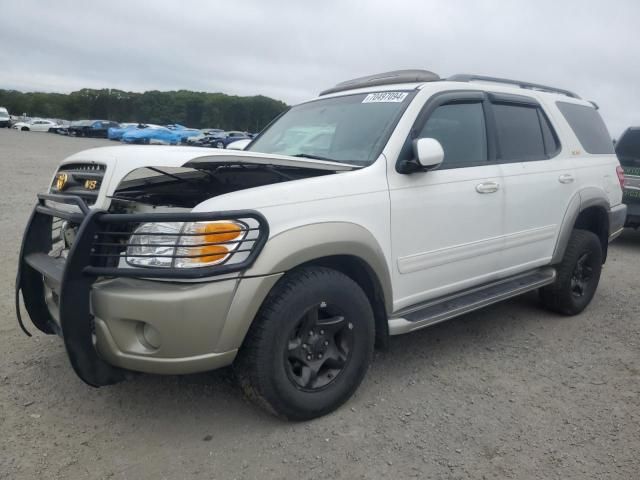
(5,118)
(91,128)
(208,140)
(628,151)
(115,133)
(211,131)
(184,132)
(152,135)
(229,137)
(36,125)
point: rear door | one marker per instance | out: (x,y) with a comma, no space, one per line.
(539,181)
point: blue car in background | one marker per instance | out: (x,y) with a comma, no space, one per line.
(116,133)
(184,132)
(152,135)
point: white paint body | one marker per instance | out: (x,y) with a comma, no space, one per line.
(438,234)
(37,125)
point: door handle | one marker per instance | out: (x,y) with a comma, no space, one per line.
(566,178)
(487,187)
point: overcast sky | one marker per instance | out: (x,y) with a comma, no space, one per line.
(291,50)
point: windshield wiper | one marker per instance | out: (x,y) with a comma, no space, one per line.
(313,157)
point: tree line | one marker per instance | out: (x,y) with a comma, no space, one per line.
(193,109)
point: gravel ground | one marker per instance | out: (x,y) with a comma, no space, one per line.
(507,392)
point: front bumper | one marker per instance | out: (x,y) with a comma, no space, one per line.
(111,321)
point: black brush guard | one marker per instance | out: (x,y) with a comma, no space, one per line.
(100,240)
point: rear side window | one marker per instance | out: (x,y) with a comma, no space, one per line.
(588,127)
(523,132)
(460,129)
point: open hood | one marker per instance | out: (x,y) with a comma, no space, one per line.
(130,158)
(186,176)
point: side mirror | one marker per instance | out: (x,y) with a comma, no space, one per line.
(428,152)
(427,155)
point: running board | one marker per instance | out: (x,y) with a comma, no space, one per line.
(444,308)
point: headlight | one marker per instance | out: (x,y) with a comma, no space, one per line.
(188,244)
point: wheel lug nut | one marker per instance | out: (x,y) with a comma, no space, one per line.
(321,332)
(305,346)
(308,357)
(319,355)
(326,343)
(350,326)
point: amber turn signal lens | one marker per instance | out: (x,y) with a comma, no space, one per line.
(217,232)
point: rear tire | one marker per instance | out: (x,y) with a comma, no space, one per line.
(310,345)
(25,129)
(577,275)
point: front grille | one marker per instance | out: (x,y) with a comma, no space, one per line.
(81,179)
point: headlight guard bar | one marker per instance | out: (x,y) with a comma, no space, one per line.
(72,279)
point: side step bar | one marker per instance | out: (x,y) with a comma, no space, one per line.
(450,306)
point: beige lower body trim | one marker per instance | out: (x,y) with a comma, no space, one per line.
(175,328)
(108,350)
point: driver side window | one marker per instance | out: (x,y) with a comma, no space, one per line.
(460,129)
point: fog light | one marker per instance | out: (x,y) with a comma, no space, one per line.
(151,336)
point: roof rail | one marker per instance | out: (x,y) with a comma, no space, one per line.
(386,78)
(531,86)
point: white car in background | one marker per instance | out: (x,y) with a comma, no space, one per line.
(5,119)
(36,125)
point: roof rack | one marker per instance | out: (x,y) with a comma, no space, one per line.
(531,86)
(386,78)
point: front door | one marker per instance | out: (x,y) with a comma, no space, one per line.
(447,224)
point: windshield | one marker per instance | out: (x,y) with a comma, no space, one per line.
(350,129)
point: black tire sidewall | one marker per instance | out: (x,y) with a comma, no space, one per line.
(280,391)
(581,242)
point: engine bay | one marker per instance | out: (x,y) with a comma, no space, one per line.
(187,187)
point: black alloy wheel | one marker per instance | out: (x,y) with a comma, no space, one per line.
(310,345)
(319,348)
(582,275)
(577,275)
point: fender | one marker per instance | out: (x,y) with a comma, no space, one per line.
(289,249)
(581,200)
(303,244)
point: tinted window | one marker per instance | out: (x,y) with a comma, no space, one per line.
(460,129)
(551,143)
(588,127)
(520,136)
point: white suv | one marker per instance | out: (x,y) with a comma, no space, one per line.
(388,204)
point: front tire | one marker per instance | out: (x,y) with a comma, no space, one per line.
(577,275)
(310,345)
(25,129)
(219,145)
